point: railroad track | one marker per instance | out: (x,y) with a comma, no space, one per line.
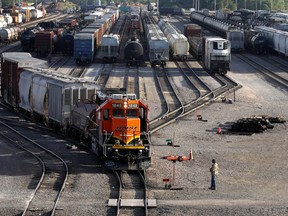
(54,175)
(272,76)
(132,193)
(203,96)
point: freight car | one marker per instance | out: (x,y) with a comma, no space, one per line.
(223,28)
(133,51)
(255,42)
(179,46)
(10,34)
(45,42)
(193,32)
(277,39)
(109,49)
(196,48)
(83,51)
(158,45)
(216,55)
(27,39)
(67,43)
(112,123)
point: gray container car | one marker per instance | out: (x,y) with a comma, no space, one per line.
(51,96)
(277,39)
(158,45)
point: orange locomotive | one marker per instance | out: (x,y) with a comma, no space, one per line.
(116,127)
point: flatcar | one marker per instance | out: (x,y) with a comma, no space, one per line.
(216,55)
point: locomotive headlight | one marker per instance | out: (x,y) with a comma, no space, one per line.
(125,104)
(116,150)
(140,151)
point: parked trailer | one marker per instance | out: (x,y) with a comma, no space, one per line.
(217,54)
(277,39)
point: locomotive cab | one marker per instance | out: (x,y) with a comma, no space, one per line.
(122,131)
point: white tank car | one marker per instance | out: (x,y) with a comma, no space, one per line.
(179,45)
(217,54)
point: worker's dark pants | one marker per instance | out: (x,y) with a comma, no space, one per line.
(213,181)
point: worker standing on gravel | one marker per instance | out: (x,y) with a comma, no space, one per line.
(214,170)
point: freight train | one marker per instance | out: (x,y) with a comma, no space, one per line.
(61,37)
(88,40)
(133,50)
(110,122)
(158,45)
(225,29)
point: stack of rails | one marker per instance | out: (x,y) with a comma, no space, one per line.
(179,46)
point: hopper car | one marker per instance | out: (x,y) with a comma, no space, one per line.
(179,46)
(277,40)
(158,45)
(109,48)
(113,124)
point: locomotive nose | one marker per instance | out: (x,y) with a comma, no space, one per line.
(126,129)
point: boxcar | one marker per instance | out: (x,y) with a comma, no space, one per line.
(83,48)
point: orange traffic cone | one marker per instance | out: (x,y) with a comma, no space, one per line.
(219,131)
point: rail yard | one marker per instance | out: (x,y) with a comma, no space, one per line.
(90,130)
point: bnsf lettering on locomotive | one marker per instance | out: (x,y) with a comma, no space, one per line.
(126,128)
